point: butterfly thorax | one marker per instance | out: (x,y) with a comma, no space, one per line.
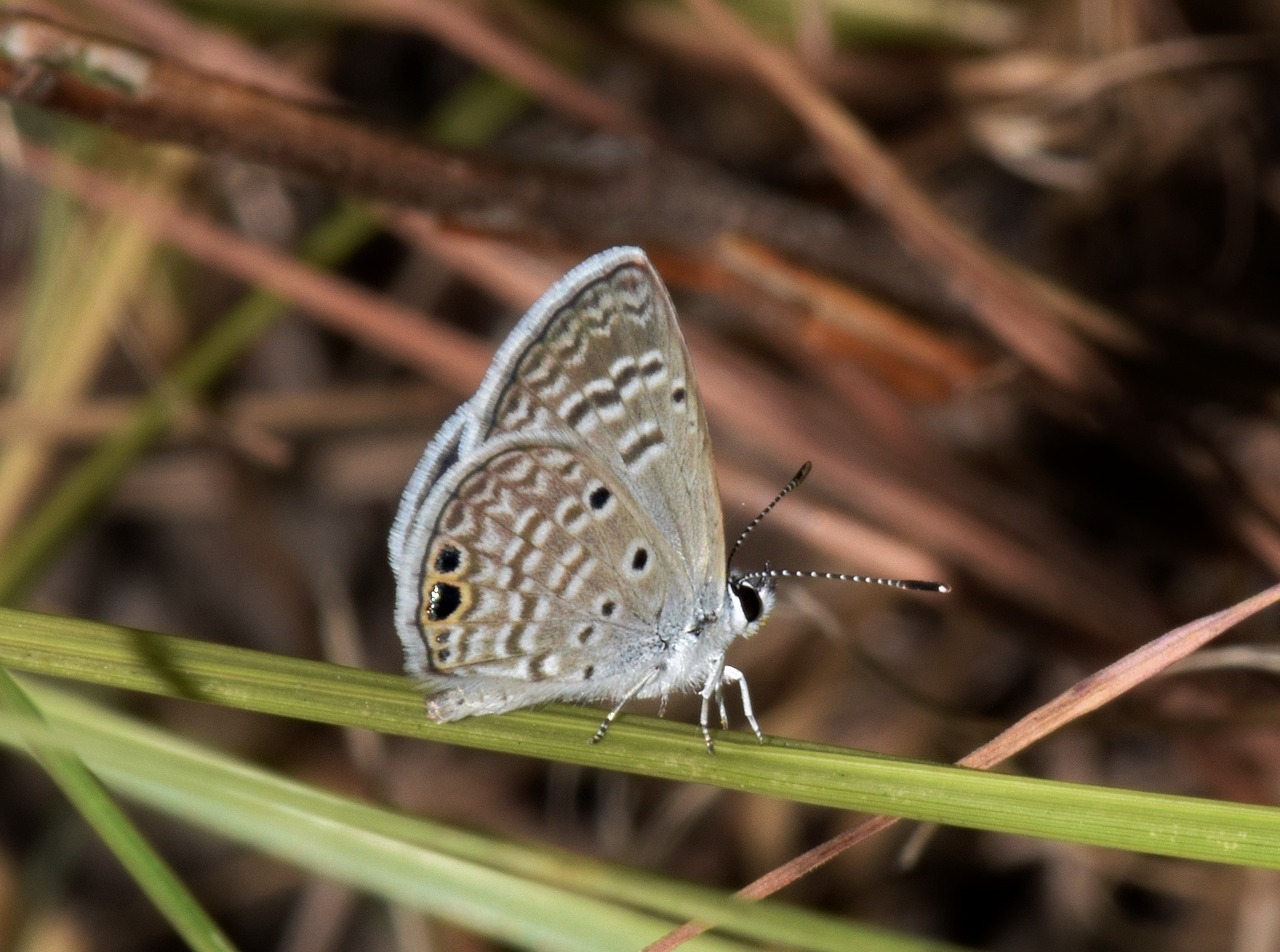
(687,659)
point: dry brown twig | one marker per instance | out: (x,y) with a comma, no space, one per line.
(640,194)
(1033,320)
(470,34)
(134,91)
(225,56)
(451,357)
(168,29)
(637,193)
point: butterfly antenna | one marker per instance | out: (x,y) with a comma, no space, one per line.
(796,480)
(909,584)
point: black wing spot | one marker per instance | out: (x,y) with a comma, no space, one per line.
(443,654)
(678,395)
(588,671)
(607,608)
(599,498)
(448,559)
(444,601)
(640,559)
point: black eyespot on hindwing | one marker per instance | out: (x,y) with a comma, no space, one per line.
(443,601)
(448,559)
(599,498)
(606,609)
(640,559)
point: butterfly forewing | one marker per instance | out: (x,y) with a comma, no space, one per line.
(601,363)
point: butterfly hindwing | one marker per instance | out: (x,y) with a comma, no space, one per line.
(539,567)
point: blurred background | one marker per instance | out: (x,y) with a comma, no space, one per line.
(1015,299)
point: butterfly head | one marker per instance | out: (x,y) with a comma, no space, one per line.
(751,599)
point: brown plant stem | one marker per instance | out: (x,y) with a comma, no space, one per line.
(630,192)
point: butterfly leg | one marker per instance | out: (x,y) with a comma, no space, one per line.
(734,676)
(608,718)
(711,689)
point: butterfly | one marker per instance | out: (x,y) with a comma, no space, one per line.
(561,538)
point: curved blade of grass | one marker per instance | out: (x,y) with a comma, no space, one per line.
(149,870)
(529,894)
(808,773)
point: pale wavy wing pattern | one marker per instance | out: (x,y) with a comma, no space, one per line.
(606,368)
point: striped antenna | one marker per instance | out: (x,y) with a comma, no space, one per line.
(908,584)
(796,480)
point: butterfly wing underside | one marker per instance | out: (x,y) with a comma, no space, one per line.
(563,527)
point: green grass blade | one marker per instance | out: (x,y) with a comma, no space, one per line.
(529,895)
(809,773)
(82,788)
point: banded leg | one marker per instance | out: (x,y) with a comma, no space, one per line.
(608,718)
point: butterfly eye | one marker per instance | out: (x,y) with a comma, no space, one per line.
(749,601)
